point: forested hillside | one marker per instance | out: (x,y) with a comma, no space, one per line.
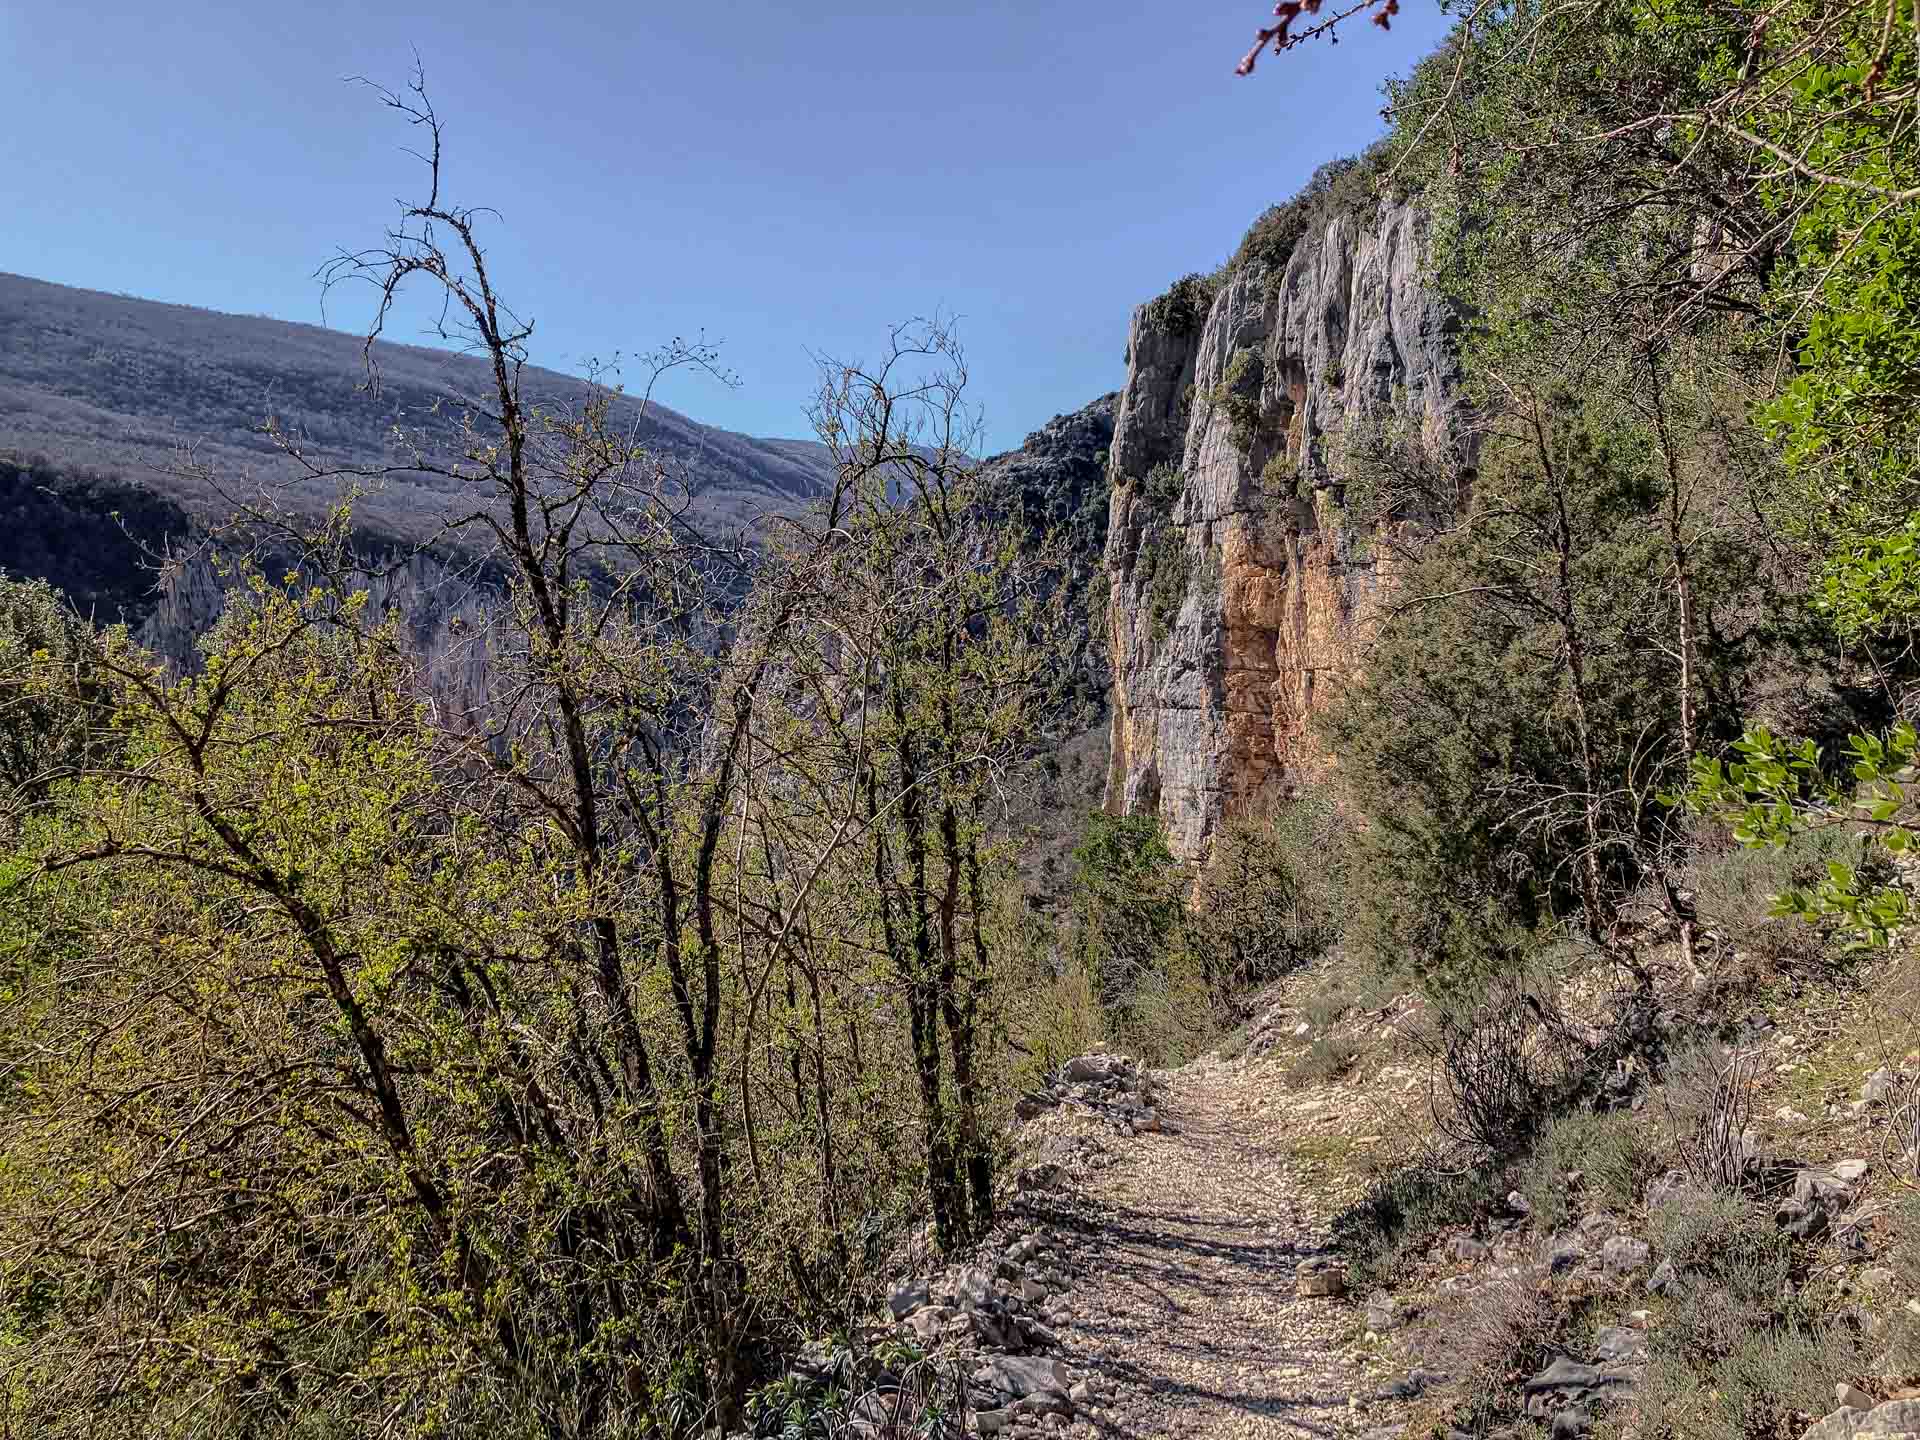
(177,399)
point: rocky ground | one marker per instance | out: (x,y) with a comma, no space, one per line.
(1203,1243)
(1164,1266)
(1163,1269)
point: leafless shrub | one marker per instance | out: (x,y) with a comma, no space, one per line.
(1500,1067)
(1900,1136)
(1708,1097)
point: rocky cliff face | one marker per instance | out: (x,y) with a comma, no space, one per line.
(1058,480)
(442,611)
(1240,590)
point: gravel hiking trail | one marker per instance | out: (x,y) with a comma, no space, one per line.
(1186,1245)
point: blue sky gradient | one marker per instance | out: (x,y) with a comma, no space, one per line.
(789,178)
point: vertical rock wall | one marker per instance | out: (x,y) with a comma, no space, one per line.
(442,612)
(1240,592)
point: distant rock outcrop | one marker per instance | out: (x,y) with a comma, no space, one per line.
(1240,588)
(1060,478)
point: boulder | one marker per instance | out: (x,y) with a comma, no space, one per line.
(1019,1376)
(1598,1228)
(1663,1188)
(1564,1253)
(1322,1275)
(1624,1254)
(907,1298)
(1568,1383)
(1384,1313)
(1824,1188)
(1801,1220)
(1084,1068)
(1615,1345)
(1895,1420)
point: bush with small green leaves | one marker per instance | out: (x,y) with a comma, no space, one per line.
(1256,912)
(1327,1059)
(53,700)
(1183,308)
(1403,1212)
(1736,892)
(1613,1153)
(1770,790)
(1740,1348)
(1237,396)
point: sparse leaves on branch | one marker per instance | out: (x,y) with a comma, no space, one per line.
(1771,789)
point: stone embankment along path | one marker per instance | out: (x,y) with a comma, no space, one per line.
(1187,1316)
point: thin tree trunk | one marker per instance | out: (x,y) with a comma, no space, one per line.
(1683,605)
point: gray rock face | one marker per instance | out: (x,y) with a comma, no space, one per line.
(441,609)
(1058,481)
(1895,1420)
(1624,1254)
(1240,590)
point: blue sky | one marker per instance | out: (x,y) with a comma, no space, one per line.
(791,178)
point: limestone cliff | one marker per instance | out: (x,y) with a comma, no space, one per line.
(1239,588)
(442,609)
(1058,482)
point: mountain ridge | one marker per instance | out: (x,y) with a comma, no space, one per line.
(112,383)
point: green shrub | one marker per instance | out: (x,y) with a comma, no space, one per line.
(1327,1059)
(1280,476)
(1163,486)
(1613,1153)
(1339,186)
(1401,1216)
(1739,1350)
(1902,1256)
(1734,888)
(1126,904)
(1183,308)
(1255,914)
(1169,570)
(1238,397)
(1767,1383)
(1506,1328)
(1333,999)
(53,696)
